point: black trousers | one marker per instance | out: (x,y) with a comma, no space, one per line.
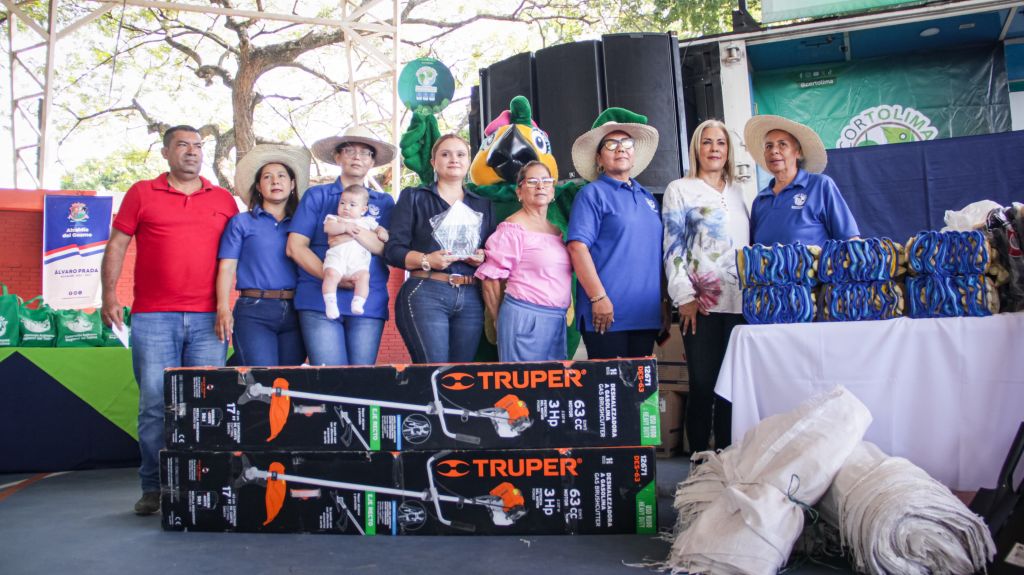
(612,344)
(705,411)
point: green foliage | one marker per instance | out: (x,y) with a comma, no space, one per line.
(116,172)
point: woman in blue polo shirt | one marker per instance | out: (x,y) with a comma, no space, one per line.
(252,255)
(614,238)
(800,204)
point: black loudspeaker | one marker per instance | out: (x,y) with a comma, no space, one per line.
(571,88)
(702,85)
(476,127)
(505,80)
(642,74)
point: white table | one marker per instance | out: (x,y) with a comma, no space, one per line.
(947,394)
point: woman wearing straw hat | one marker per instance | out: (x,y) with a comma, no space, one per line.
(614,238)
(351,339)
(800,204)
(706,220)
(269,179)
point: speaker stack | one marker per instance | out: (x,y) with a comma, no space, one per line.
(570,84)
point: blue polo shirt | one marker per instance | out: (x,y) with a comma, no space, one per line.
(257,241)
(621,225)
(316,204)
(809,210)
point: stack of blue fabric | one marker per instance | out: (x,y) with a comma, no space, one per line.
(777,282)
(948,275)
(859,280)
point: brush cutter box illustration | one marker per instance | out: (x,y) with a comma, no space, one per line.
(421,407)
(542,491)
(222,491)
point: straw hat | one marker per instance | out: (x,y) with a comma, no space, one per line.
(384,152)
(298,159)
(645,138)
(815,156)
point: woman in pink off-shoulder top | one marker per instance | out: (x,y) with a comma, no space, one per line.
(527,275)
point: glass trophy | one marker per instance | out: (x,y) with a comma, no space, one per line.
(457,229)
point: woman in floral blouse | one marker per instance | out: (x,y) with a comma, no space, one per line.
(706,221)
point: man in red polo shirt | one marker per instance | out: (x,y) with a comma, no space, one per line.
(177,220)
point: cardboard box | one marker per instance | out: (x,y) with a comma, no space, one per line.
(671,404)
(222,491)
(547,491)
(671,358)
(420,407)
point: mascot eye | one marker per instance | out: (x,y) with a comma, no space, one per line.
(541,142)
(488,140)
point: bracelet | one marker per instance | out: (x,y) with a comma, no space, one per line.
(596,299)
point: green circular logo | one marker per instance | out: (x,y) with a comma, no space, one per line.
(426,85)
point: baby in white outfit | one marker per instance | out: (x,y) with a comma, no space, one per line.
(349,260)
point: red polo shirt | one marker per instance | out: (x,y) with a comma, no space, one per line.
(176,238)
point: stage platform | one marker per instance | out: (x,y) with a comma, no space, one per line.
(81,522)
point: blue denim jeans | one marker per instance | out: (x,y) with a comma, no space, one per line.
(161,340)
(267,332)
(439,323)
(348,340)
(530,332)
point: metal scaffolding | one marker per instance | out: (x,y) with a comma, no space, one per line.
(33,43)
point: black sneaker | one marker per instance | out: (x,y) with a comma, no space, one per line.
(148,504)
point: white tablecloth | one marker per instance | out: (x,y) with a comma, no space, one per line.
(947,394)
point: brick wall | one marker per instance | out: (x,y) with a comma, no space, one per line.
(21,266)
(392,349)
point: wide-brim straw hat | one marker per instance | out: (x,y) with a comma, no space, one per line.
(584,149)
(296,158)
(811,146)
(384,152)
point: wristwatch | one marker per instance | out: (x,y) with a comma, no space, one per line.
(424,263)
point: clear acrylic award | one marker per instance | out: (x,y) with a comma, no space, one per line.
(457,229)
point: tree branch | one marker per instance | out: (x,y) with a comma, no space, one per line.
(326,79)
(208,72)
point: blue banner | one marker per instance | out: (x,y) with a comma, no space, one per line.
(75,233)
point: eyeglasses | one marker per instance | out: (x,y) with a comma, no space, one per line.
(356,152)
(612,144)
(536,183)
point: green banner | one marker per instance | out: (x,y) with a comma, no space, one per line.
(894,99)
(779,10)
(101,377)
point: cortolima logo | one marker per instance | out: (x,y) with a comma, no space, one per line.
(35,326)
(3,325)
(886,124)
(80,325)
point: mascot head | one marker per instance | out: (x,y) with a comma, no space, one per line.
(510,141)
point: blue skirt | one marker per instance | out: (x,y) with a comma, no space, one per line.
(530,332)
